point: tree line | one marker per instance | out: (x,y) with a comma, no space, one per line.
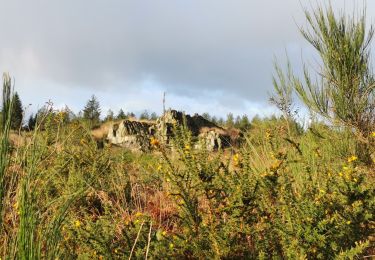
(92,113)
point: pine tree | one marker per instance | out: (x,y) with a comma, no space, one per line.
(206,116)
(144,115)
(92,111)
(244,123)
(237,122)
(32,122)
(121,115)
(17,112)
(110,115)
(220,122)
(230,120)
(153,116)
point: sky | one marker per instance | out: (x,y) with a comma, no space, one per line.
(211,56)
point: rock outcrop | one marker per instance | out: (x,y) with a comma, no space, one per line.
(133,135)
(136,135)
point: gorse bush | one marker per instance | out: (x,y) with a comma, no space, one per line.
(283,198)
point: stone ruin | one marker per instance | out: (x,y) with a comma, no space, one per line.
(136,135)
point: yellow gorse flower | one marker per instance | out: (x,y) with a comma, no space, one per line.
(236,159)
(77,223)
(154,141)
(352,158)
(373,134)
(276,165)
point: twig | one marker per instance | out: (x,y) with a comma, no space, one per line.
(149,240)
(136,239)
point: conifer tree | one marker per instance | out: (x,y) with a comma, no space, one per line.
(244,123)
(153,116)
(92,111)
(230,120)
(121,115)
(32,122)
(206,116)
(110,115)
(237,122)
(220,122)
(17,112)
(144,115)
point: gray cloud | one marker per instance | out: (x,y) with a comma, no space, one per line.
(220,50)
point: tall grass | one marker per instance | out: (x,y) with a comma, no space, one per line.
(5,130)
(30,223)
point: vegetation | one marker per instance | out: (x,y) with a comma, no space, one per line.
(31,123)
(110,116)
(144,115)
(17,112)
(121,115)
(92,111)
(287,192)
(343,91)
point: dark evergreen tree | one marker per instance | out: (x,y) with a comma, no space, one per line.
(153,116)
(230,120)
(244,123)
(92,110)
(121,115)
(206,116)
(220,122)
(144,115)
(17,112)
(32,122)
(237,122)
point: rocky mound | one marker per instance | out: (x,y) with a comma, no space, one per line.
(135,135)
